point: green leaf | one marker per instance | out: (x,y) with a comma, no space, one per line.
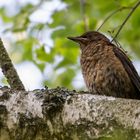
(65,78)
(43,56)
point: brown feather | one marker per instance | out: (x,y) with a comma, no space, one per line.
(129,67)
(106,68)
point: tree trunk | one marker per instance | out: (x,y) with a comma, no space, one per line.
(59,114)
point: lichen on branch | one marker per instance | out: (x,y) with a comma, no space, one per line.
(8,69)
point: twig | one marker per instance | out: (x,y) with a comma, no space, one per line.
(83,13)
(130,13)
(113,13)
(9,70)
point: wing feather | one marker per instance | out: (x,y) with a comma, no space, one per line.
(129,67)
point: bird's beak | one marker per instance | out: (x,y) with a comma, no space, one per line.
(78,39)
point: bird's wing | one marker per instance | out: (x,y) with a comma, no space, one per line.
(129,67)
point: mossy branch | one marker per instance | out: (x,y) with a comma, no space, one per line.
(60,114)
(9,70)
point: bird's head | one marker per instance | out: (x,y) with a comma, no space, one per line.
(89,37)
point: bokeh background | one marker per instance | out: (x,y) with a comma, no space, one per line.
(34,33)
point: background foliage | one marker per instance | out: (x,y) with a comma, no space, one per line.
(44,41)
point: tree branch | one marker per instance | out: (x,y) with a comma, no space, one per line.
(126,19)
(112,14)
(9,70)
(83,13)
(66,115)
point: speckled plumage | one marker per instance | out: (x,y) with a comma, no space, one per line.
(106,68)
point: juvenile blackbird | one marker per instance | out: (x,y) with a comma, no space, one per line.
(106,69)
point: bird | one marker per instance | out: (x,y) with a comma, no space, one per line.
(106,68)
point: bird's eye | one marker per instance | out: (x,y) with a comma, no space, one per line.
(84,36)
(87,36)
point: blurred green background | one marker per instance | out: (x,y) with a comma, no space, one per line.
(34,33)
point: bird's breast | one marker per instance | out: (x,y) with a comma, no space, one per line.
(104,73)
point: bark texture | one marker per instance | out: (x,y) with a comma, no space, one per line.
(59,114)
(8,69)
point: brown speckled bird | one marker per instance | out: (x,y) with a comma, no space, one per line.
(106,68)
